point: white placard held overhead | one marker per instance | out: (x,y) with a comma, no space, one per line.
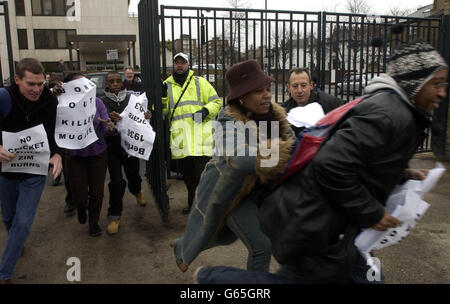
(31,149)
(137,135)
(75,116)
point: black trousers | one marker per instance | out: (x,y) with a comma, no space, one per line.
(87,182)
(191,168)
(117,185)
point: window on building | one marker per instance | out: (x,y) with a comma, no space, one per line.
(23,39)
(49,7)
(20,8)
(52,39)
(36,7)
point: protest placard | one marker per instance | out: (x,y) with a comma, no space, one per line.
(31,149)
(75,117)
(137,135)
(406,204)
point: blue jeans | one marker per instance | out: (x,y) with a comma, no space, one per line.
(287,274)
(19,201)
(229,275)
(244,223)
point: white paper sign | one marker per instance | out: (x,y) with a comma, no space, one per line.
(31,149)
(137,135)
(75,117)
(306,116)
(406,204)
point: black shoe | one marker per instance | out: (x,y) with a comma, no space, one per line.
(57,180)
(96,231)
(82,216)
(186,210)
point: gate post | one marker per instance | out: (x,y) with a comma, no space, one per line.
(441,142)
(8,42)
(150,62)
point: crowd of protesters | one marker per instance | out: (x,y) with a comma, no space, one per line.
(308,222)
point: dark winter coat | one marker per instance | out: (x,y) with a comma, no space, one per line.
(346,185)
(132,86)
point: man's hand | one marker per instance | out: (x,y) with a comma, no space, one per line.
(57,88)
(109,123)
(148,114)
(56,162)
(115,117)
(5,156)
(417,174)
(386,222)
(203,113)
(163,89)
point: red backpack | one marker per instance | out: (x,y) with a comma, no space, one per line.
(309,140)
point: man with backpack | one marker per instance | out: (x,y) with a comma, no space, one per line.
(313,217)
(28,103)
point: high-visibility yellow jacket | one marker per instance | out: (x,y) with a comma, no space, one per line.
(188,138)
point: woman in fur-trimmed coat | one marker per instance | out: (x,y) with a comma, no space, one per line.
(253,143)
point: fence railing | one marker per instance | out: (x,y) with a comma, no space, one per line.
(5,14)
(337,48)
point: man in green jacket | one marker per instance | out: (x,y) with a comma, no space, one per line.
(189,104)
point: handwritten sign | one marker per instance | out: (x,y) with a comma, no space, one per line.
(137,135)
(31,149)
(75,115)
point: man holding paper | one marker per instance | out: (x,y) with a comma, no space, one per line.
(27,108)
(116,100)
(303,95)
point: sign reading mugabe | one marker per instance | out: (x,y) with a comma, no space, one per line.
(137,135)
(76,111)
(31,149)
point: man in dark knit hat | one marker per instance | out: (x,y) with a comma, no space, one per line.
(313,217)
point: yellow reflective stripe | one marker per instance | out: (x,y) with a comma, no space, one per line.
(179,117)
(190,103)
(213,97)
(170,92)
(199,96)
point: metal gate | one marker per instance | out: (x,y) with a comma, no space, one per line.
(5,15)
(335,47)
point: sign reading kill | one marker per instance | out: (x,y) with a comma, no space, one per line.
(75,116)
(31,149)
(137,135)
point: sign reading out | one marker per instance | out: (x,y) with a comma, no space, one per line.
(75,116)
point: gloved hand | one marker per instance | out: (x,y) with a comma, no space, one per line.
(163,89)
(204,112)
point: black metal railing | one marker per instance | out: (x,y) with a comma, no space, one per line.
(337,48)
(5,15)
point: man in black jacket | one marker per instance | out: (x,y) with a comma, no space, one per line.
(130,83)
(301,89)
(26,104)
(116,100)
(313,217)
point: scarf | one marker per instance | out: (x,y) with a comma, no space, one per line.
(180,78)
(117,98)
